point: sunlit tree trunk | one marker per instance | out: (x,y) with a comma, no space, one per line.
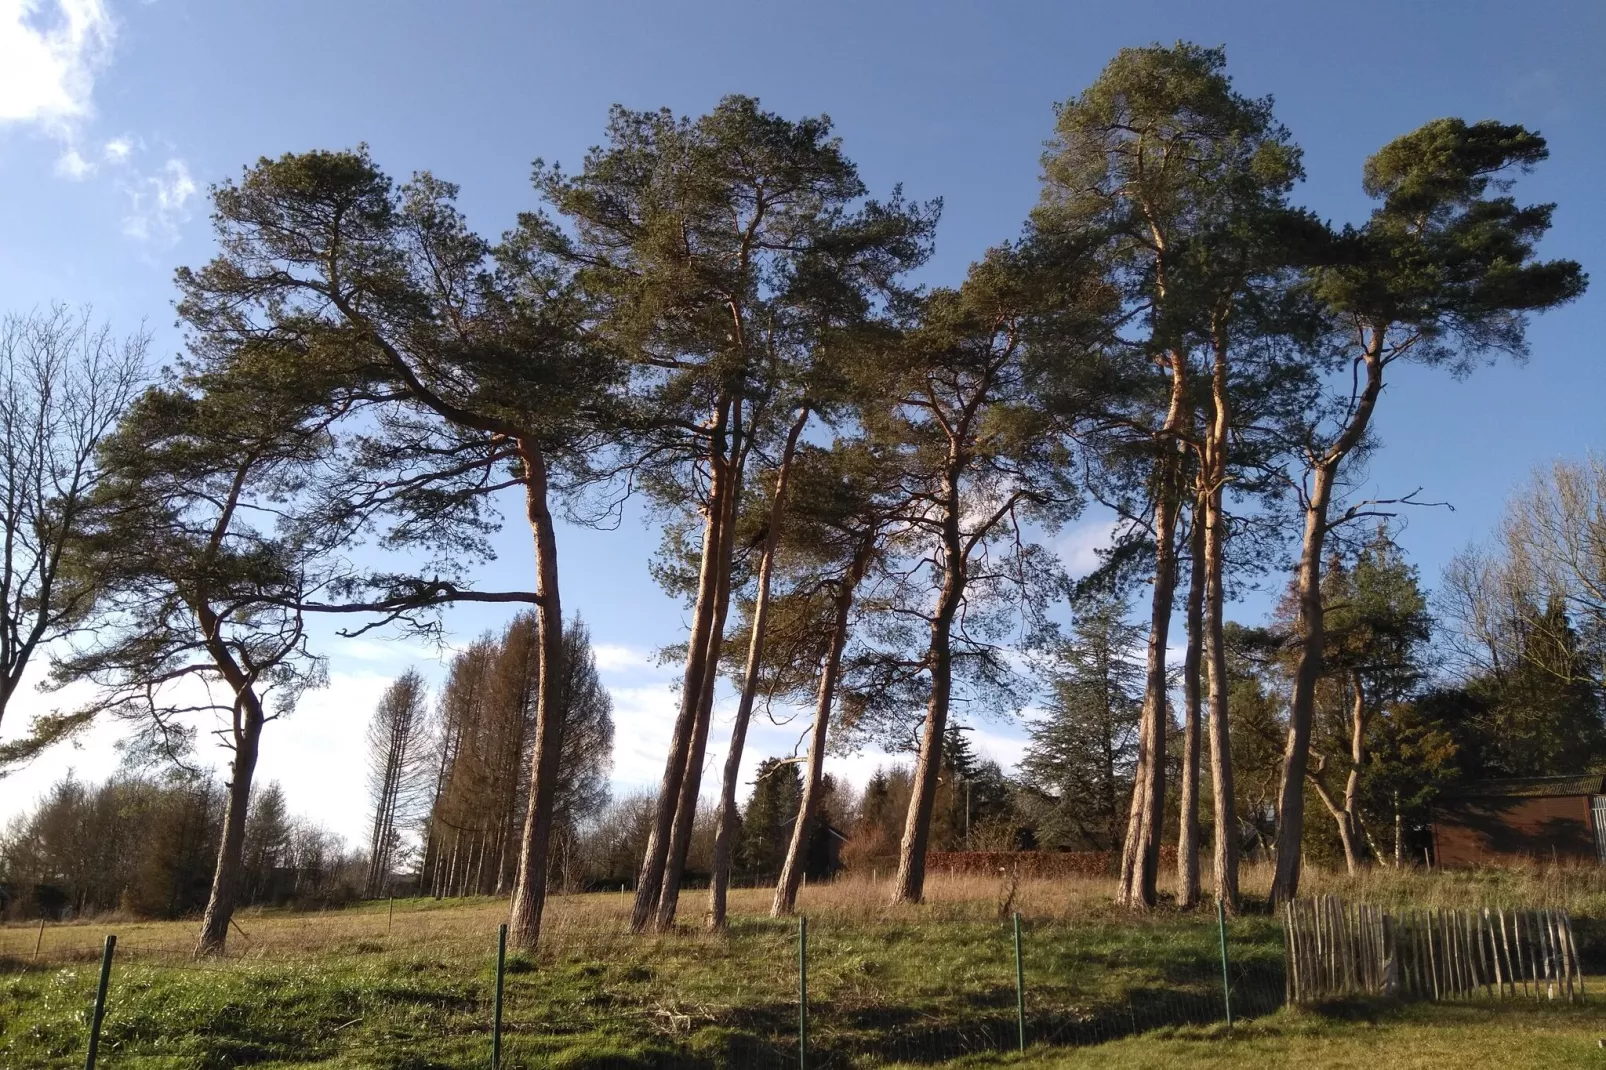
(220,904)
(649,883)
(1223,797)
(1310,627)
(725,823)
(1188,823)
(792,869)
(1140,854)
(529,890)
(692,778)
(909,885)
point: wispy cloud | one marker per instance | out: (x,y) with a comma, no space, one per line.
(158,204)
(71,164)
(51,53)
(1079,548)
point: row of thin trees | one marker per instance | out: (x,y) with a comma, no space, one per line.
(460,780)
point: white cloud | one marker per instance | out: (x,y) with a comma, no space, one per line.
(613,657)
(1079,548)
(71,164)
(50,53)
(319,753)
(643,721)
(158,203)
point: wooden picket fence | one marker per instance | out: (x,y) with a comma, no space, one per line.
(1335,949)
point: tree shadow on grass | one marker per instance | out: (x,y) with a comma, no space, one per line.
(844,1035)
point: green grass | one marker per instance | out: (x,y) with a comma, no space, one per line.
(1467,1036)
(887,986)
(879,991)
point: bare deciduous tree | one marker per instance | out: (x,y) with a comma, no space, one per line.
(1554,536)
(64,382)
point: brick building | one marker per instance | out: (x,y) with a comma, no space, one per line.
(1554,817)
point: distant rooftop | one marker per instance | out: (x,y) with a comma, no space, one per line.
(1535,787)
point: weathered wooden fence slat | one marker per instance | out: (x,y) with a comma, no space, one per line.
(1335,949)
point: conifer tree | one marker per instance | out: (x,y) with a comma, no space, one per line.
(713,251)
(768,819)
(1082,752)
(1444,273)
(398,765)
(1161,162)
(469,357)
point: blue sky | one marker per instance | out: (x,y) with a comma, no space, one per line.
(116,115)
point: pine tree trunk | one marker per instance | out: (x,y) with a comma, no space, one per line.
(1296,753)
(1223,796)
(692,779)
(221,902)
(725,821)
(1140,855)
(792,868)
(1188,823)
(909,885)
(649,881)
(1352,781)
(529,890)
(1312,637)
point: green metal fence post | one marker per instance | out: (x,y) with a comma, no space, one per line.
(1226,983)
(803,992)
(1020,987)
(496,1022)
(100,1002)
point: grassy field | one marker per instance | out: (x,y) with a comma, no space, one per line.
(1477,1036)
(887,986)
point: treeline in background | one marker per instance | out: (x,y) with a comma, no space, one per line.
(1469,682)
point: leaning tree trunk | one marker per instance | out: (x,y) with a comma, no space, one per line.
(226,875)
(1296,754)
(1311,634)
(1188,823)
(1140,855)
(1347,812)
(909,886)
(529,890)
(692,778)
(792,868)
(725,822)
(1342,819)
(654,860)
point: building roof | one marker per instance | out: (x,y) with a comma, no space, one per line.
(1535,787)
